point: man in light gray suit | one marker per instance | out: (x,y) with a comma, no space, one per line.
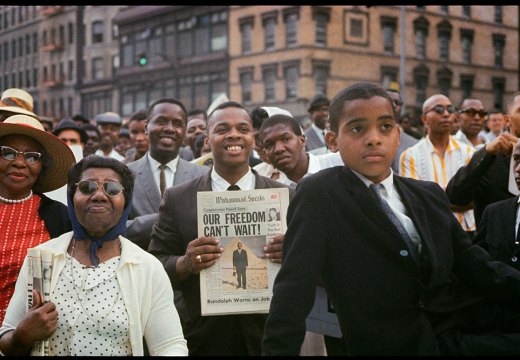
(166,128)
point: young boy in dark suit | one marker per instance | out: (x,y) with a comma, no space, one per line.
(401,273)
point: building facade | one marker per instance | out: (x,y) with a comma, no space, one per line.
(91,59)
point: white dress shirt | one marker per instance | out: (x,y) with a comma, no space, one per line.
(169,170)
(246,182)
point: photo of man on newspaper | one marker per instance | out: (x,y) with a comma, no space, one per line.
(243,264)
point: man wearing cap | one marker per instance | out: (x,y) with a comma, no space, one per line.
(16,101)
(109,124)
(319,111)
(69,131)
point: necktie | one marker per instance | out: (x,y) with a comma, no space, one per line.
(233,188)
(376,190)
(162,179)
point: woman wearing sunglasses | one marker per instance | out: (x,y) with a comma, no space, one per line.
(32,162)
(106,292)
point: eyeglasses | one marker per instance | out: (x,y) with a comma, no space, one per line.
(31,157)
(397,102)
(89,187)
(472,112)
(439,109)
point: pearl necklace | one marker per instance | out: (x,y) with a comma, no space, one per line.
(11,201)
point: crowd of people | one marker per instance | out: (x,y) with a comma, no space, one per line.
(410,227)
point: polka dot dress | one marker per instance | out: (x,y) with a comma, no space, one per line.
(98,324)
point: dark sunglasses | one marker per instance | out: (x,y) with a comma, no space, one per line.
(397,102)
(89,187)
(439,109)
(31,157)
(472,112)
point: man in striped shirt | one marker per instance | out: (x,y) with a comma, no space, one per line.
(438,156)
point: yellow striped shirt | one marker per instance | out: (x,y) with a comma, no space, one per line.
(423,162)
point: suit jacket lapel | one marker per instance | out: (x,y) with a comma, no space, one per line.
(364,199)
(153,194)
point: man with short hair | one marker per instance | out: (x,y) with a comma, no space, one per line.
(439,155)
(471,115)
(240,265)
(495,123)
(176,243)
(138,136)
(405,140)
(489,177)
(160,167)
(401,274)
(319,112)
(109,124)
(93,137)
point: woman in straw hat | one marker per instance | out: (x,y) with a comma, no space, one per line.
(32,161)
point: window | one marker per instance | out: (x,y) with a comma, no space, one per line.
(201,91)
(246,79)
(27,44)
(466,11)
(269,78)
(444,77)
(444,47)
(20,78)
(499,41)
(388,76)
(320,73)
(61,35)
(35,76)
(201,31)
(498,14)
(219,36)
(44,37)
(498,92)
(246,26)
(13,80)
(420,43)
(13,48)
(35,42)
(97,68)
(291,73)
(97,32)
(270,32)
(466,85)
(420,75)
(184,42)
(185,91)
(20,46)
(388,25)
(291,29)
(45,74)
(6,51)
(444,34)
(115,64)
(70,71)
(321,19)
(69,105)
(71,32)
(466,38)
(28,78)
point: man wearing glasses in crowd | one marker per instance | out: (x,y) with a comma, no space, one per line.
(471,116)
(438,156)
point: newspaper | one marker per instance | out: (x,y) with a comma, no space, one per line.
(39,278)
(242,280)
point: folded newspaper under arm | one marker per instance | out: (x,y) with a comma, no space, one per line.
(240,217)
(39,278)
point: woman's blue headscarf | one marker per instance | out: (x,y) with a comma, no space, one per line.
(111,234)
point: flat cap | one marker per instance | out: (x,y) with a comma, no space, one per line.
(317,101)
(108,118)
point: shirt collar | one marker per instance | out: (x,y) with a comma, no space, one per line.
(388,183)
(246,182)
(172,164)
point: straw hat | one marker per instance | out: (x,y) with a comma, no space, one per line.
(18,101)
(61,155)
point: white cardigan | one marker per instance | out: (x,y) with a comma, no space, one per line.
(146,290)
